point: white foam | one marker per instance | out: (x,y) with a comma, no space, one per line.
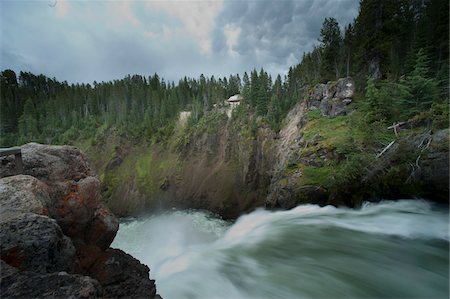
(193,254)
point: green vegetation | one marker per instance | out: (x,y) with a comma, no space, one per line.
(145,168)
(339,147)
(396,51)
(316,176)
(383,42)
(402,45)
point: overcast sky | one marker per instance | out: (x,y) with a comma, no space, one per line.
(81,41)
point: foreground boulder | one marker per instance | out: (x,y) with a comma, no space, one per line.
(121,275)
(35,243)
(24,193)
(25,284)
(65,188)
(52,223)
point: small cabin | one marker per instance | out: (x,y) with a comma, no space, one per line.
(232,103)
(235,99)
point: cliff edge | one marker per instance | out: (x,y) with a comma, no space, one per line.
(55,233)
(325,152)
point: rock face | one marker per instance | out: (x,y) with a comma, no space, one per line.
(232,166)
(332,98)
(120,275)
(35,243)
(26,284)
(417,165)
(67,188)
(102,229)
(52,221)
(23,193)
(291,138)
(345,88)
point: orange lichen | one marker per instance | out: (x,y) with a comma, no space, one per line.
(72,196)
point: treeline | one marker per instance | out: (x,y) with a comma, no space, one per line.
(398,53)
(382,42)
(396,50)
(37,108)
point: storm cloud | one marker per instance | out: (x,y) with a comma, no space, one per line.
(105,40)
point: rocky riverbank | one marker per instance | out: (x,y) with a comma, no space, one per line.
(55,233)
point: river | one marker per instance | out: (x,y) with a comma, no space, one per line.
(396,249)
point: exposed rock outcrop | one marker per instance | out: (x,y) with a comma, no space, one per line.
(434,168)
(23,193)
(290,139)
(122,276)
(231,166)
(332,98)
(26,284)
(417,165)
(52,221)
(35,243)
(68,190)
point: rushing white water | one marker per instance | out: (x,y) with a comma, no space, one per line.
(390,249)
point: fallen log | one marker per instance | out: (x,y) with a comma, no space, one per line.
(385,149)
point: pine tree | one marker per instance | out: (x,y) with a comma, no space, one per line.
(246,87)
(254,88)
(28,122)
(422,90)
(330,38)
(233,85)
(378,104)
(263,95)
(274,113)
(348,42)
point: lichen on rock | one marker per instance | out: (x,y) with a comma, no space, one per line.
(53,227)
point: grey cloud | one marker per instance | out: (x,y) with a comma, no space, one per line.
(282,28)
(90,44)
(83,47)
